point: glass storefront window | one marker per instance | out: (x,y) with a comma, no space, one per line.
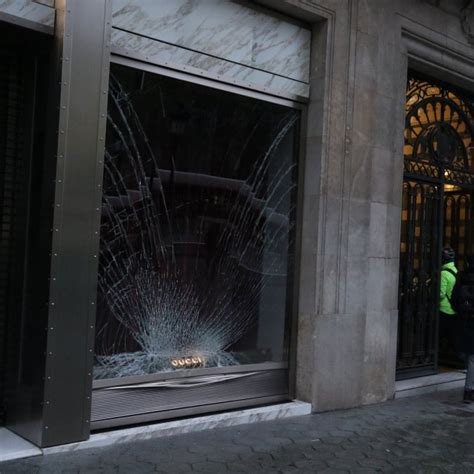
(198,225)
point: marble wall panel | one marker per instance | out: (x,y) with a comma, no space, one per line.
(29,10)
(49,3)
(169,55)
(223,29)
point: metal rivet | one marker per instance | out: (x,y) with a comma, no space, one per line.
(62,132)
(50,353)
(55,254)
(49,378)
(60,180)
(52,329)
(46,427)
(92,303)
(52,304)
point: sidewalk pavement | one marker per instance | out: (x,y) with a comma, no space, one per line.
(428,434)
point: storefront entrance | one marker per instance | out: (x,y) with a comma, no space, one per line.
(197,248)
(24,215)
(437,210)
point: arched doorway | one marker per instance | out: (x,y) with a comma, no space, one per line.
(437,210)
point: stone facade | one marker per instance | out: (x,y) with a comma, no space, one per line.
(351,175)
(347,326)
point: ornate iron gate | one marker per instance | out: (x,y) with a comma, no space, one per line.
(437,208)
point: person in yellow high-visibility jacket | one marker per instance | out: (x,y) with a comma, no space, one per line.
(457,328)
(447,281)
(447,316)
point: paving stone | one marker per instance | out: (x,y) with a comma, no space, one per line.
(209,466)
(311,465)
(353,454)
(244,466)
(221,455)
(333,471)
(427,434)
(257,457)
(340,464)
(173,467)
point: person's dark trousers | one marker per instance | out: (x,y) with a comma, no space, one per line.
(466,352)
(469,387)
(464,341)
(448,331)
(459,331)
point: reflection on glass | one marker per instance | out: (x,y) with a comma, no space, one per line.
(198,220)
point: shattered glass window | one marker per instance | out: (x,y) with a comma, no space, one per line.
(198,226)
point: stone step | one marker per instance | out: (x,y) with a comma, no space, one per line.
(430,384)
(13,447)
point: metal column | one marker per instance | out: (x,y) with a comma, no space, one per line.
(83,41)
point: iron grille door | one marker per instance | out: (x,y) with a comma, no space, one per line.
(436,211)
(419,270)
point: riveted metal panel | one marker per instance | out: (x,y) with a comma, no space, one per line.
(82,32)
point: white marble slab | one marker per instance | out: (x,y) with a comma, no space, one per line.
(197,63)
(13,446)
(29,10)
(49,3)
(223,29)
(170,428)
